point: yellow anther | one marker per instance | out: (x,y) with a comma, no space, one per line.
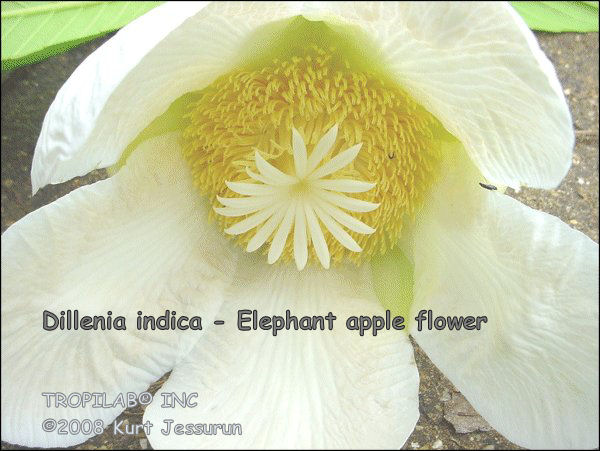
(311,92)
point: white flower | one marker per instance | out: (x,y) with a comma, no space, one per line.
(441,97)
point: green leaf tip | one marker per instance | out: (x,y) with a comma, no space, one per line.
(559,16)
(34,31)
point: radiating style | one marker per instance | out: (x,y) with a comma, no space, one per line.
(281,202)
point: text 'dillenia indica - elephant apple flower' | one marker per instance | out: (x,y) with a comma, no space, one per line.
(314,157)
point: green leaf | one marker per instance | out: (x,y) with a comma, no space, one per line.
(33,31)
(559,16)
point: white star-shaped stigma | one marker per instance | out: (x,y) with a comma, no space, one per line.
(275,201)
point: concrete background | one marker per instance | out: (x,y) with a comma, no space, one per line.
(27,93)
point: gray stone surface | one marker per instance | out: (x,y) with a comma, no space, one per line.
(28,92)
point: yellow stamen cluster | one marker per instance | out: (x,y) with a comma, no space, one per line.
(312,91)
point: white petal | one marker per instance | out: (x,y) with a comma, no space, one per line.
(532,370)
(136,241)
(338,162)
(300,157)
(117,91)
(478,68)
(301,389)
(322,148)
(487,86)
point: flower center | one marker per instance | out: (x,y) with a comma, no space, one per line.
(310,158)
